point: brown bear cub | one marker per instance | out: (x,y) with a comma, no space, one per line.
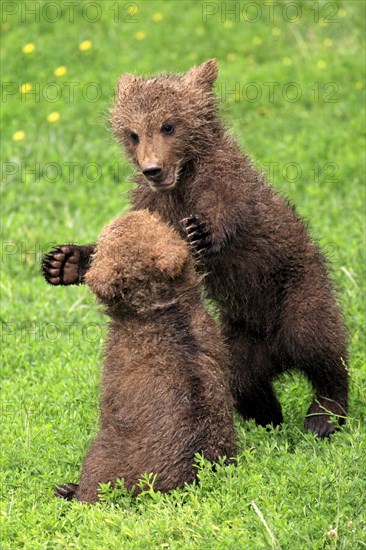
(166,393)
(268,278)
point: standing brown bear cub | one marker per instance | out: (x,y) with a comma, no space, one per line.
(166,394)
(269,280)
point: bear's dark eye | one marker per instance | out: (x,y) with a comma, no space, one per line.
(134,137)
(167,129)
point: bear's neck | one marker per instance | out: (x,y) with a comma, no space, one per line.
(179,298)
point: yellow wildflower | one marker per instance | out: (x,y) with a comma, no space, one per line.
(85,45)
(29,48)
(60,71)
(18,136)
(287,61)
(157,17)
(53,117)
(25,88)
(140,35)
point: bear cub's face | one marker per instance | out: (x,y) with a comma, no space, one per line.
(162,121)
(137,261)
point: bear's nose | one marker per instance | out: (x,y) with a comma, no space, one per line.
(152,171)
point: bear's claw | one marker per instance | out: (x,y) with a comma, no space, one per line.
(197,235)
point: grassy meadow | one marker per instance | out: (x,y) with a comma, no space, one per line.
(292,86)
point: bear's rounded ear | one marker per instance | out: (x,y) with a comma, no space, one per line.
(124,81)
(204,75)
(171,258)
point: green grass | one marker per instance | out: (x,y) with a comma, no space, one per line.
(288,489)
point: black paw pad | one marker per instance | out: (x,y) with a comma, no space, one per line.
(60,265)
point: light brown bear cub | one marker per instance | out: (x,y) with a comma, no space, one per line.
(166,393)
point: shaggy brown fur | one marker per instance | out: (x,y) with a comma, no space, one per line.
(278,308)
(166,394)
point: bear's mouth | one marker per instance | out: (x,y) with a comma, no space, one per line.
(165,183)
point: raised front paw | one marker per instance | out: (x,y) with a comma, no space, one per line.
(61,266)
(197,235)
(67,491)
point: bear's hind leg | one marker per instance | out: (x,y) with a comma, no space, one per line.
(318,416)
(104,462)
(260,403)
(252,371)
(312,339)
(330,381)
